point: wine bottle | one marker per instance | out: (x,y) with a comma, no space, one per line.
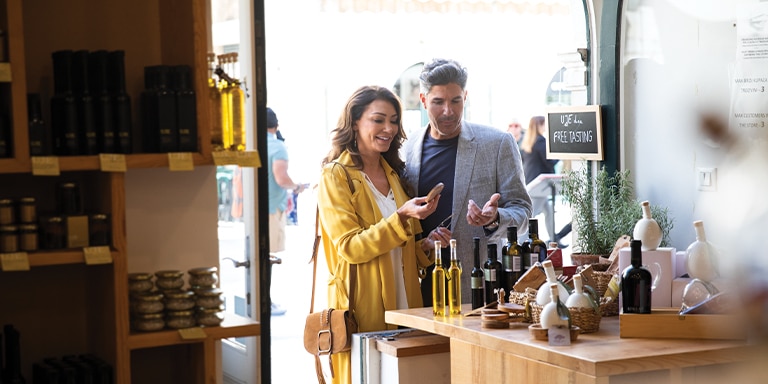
(454,281)
(86,115)
(554,313)
(511,256)
(636,283)
(542,295)
(104,119)
(476,276)
(493,272)
(538,247)
(39,144)
(214,106)
(12,373)
(579,298)
(167,127)
(186,110)
(63,107)
(121,102)
(438,282)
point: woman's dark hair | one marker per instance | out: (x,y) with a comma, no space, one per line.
(344,137)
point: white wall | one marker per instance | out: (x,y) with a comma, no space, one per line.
(678,61)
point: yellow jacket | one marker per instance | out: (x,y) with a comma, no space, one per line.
(354,232)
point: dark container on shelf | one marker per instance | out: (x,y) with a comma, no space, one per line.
(89,144)
(104,117)
(121,101)
(28,237)
(39,134)
(99,230)
(64,121)
(69,199)
(6,138)
(9,238)
(159,111)
(186,110)
(53,233)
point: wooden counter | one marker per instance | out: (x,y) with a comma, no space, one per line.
(480,355)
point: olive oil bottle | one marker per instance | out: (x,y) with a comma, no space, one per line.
(454,282)
(438,282)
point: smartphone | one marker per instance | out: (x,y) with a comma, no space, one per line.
(435,191)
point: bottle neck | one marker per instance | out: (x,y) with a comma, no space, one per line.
(647,211)
(477,254)
(700,234)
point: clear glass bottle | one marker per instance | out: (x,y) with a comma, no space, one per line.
(227,133)
(237,97)
(438,282)
(636,283)
(454,281)
(214,106)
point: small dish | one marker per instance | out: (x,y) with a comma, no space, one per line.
(539,333)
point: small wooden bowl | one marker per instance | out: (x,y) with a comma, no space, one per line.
(543,334)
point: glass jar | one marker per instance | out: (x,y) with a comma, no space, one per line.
(147,302)
(148,322)
(7,214)
(180,319)
(28,237)
(169,279)
(27,210)
(69,199)
(208,298)
(179,300)
(9,239)
(203,277)
(209,317)
(99,232)
(53,233)
(140,282)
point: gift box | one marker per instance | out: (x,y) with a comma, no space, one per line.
(665,258)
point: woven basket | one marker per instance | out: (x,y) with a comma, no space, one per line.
(588,319)
(525,299)
(609,307)
(601,281)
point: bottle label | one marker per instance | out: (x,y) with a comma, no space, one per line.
(487,273)
(476,283)
(492,272)
(516,263)
(533,258)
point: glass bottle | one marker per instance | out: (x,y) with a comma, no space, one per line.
(121,102)
(167,123)
(99,230)
(27,210)
(9,238)
(701,258)
(493,271)
(511,259)
(476,276)
(28,238)
(39,144)
(454,281)
(579,298)
(214,106)
(64,124)
(538,248)
(636,283)
(104,119)
(84,102)
(225,107)
(186,108)
(237,96)
(542,296)
(555,313)
(647,230)
(438,282)
(7,212)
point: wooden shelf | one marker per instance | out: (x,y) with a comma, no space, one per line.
(62,257)
(232,326)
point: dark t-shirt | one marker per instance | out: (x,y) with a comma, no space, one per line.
(438,164)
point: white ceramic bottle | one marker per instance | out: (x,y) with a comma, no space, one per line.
(647,230)
(701,258)
(549,315)
(578,298)
(543,296)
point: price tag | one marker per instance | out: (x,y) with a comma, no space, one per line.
(224,158)
(5,72)
(18,261)
(249,159)
(97,255)
(193,333)
(112,162)
(180,161)
(45,166)
(559,335)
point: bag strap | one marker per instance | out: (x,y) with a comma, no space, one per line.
(326,322)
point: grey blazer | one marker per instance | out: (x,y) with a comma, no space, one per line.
(487,161)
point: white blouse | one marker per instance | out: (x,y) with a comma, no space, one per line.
(388,206)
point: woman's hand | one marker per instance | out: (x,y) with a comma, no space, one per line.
(440,233)
(417,208)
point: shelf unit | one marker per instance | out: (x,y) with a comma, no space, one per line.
(62,305)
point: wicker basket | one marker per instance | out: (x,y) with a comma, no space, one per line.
(525,299)
(588,319)
(601,281)
(609,307)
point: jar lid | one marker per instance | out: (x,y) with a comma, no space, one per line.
(55,219)
(169,273)
(186,313)
(99,216)
(28,227)
(178,294)
(203,270)
(139,276)
(208,292)
(208,311)
(147,316)
(27,200)
(8,228)
(147,296)
(6,201)
(68,184)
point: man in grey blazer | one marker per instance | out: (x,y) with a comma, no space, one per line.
(480,166)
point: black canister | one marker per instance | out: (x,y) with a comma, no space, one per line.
(99,230)
(69,199)
(54,233)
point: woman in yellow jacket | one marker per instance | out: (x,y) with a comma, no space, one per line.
(374,226)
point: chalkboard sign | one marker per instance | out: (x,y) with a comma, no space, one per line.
(574,133)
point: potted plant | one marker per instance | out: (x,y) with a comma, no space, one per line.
(604,209)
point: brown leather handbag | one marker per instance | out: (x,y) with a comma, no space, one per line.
(329,331)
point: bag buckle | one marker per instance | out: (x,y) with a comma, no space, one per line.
(320,349)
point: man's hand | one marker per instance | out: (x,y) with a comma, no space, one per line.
(486,215)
